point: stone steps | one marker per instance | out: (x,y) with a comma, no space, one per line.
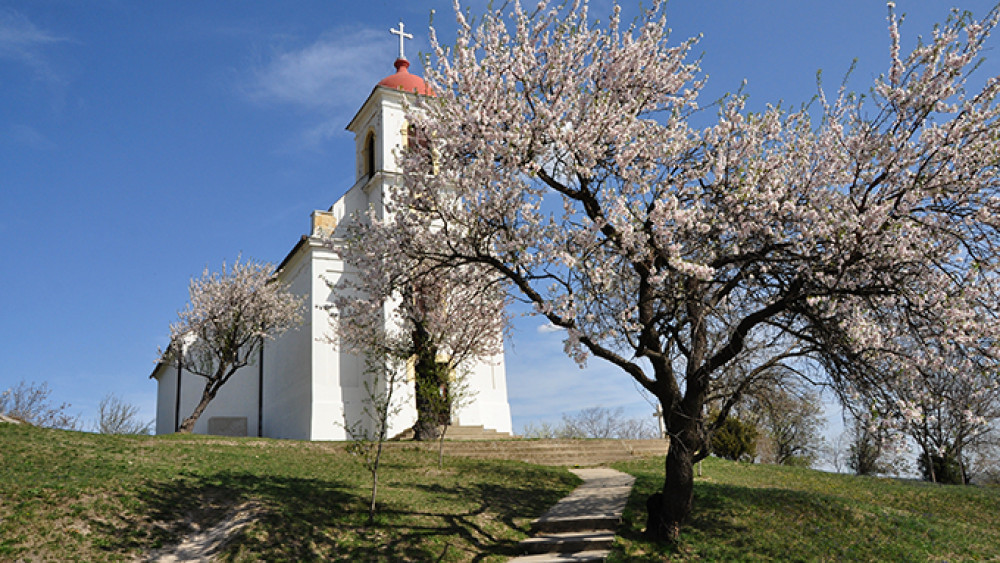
(587,522)
(548,452)
(581,526)
(461,433)
(571,557)
(568,542)
(474,433)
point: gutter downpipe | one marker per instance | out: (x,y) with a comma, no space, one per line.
(260,392)
(177,398)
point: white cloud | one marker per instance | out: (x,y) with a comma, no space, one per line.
(313,136)
(327,79)
(333,73)
(28,136)
(549,328)
(23,42)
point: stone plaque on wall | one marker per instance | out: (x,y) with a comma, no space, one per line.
(227,426)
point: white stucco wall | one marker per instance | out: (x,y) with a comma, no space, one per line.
(287,364)
(237,398)
(166,389)
(488,405)
(331,368)
(338,384)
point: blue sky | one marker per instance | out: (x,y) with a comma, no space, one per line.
(143,141)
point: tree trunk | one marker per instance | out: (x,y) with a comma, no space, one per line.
(443,429)
(206,397)
(429,401)
(431,386)
(426,427)
(669,510)
(374,471)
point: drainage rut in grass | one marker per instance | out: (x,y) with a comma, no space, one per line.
(202,546)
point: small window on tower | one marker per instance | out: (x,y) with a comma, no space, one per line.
(417,140)
(370,155)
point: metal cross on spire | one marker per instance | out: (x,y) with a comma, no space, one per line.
(402,35)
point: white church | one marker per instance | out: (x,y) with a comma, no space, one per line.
(302,387)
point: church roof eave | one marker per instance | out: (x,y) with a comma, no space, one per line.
(377,88)
(401,82)
(156,369)
(288,258)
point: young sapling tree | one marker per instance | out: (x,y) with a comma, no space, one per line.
(383,401)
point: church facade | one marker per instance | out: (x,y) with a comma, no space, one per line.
(302,387)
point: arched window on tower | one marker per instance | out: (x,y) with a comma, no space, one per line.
(370,155)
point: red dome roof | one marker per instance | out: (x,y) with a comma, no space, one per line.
(405,81)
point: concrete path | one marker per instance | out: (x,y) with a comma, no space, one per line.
(580,527)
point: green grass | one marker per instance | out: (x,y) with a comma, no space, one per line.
(761,512)
(68,496)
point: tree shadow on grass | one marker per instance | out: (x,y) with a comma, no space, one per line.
(719,517)
(317,519)
(504,505)
(295,511)
(478,520)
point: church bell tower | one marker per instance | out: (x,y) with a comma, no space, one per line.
(380,127)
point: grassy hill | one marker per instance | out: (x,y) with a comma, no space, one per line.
(75,496)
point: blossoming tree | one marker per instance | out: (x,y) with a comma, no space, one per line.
(851,233)
(229,316)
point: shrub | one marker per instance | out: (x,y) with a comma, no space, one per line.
(735,440)
(947,469)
